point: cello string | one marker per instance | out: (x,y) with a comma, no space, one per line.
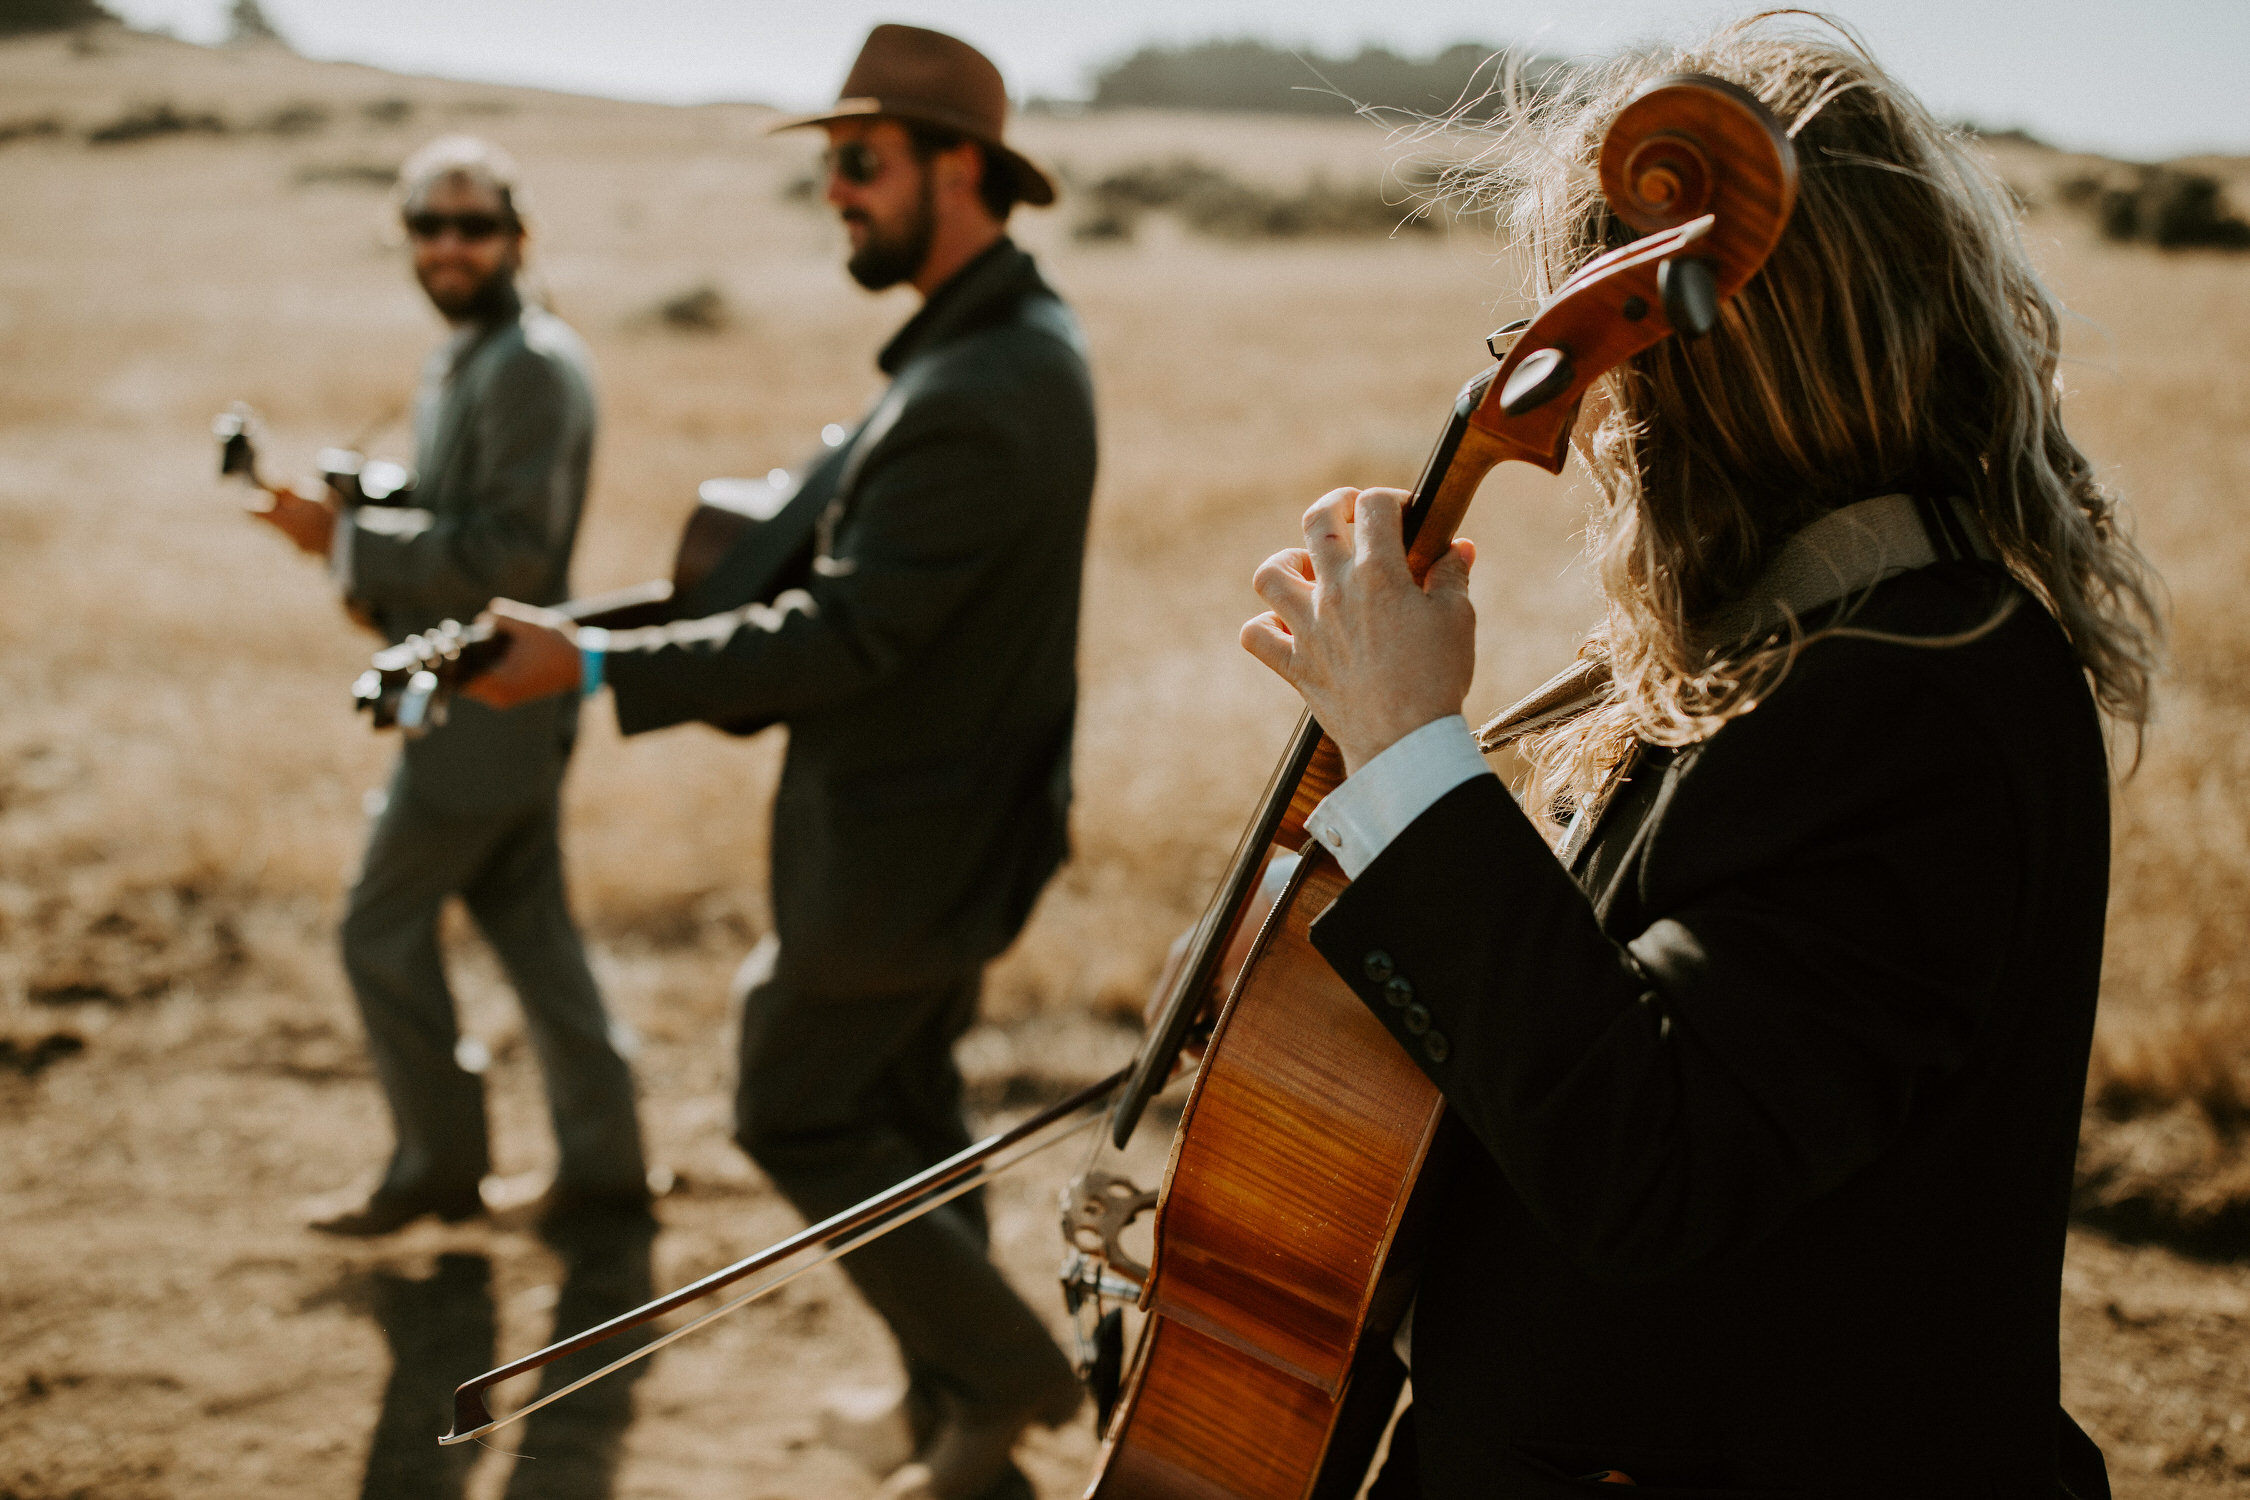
(1061,1131)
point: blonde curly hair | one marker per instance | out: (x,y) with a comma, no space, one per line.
(1898,340)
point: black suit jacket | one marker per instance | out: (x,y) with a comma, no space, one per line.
(504,424)
(1773,1107)
(926,664)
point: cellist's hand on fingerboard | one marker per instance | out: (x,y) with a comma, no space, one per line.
(1375,652)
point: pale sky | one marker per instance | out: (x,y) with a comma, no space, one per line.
(2136,78)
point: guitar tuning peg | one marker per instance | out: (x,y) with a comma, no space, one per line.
(368,697)
(1543,375)
(1689,285)
(418,710)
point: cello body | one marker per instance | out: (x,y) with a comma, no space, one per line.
(1290,1180)
(1287,1228)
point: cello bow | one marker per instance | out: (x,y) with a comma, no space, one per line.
(1284,1232)
(779,1264)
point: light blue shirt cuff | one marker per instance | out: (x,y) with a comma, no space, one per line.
(593,659)
(1358,820)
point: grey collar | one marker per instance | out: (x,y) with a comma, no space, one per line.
(1847,552)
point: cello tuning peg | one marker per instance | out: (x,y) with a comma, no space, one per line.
(1543,375)
(1503,339)
(1689,286)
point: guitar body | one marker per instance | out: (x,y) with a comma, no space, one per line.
(729,543)
(1285,1240)
(714,530)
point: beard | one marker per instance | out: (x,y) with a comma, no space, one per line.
(488,301)
(888,257)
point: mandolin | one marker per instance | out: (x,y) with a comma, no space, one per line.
(1286,1230)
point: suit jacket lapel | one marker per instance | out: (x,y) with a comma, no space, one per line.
(460,374)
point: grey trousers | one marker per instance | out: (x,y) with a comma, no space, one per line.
(843,1096)
(507,868)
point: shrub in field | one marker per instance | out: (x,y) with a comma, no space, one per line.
(300,117)
(147,121)
(2164,1153)
(700,309)
(2162,206)
(31,128)
(364,174)
(1216,203)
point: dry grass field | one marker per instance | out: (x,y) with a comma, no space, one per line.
(181,782)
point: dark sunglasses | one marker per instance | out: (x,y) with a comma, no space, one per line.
(472,228)
(855,161)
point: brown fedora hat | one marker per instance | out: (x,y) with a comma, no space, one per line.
(908,73)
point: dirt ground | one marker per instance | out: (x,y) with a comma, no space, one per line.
(181,784)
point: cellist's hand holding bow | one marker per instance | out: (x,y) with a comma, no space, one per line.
(1375,654)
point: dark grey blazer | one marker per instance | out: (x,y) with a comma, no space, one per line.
(504,430)
(925,659)
(1770,1112)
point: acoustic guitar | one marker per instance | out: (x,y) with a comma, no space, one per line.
(744,539)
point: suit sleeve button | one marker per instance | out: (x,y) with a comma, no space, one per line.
(1399,990)
(1435,1047)
(1416,1018)
(1377,966)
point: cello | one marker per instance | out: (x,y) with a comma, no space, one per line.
(1286,1229)
(1285,1234)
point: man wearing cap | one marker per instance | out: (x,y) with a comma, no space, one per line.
(911,615)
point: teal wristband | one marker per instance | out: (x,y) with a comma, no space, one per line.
(593,656)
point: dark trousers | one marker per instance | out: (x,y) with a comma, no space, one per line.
(843,1096)
(507,868)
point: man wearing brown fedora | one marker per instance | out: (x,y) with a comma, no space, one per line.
(912,615)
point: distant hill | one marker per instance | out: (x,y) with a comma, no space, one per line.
(1258,76)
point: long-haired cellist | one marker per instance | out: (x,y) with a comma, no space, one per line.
(1771,1084)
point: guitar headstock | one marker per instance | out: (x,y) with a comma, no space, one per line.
(411,685)
(236,429)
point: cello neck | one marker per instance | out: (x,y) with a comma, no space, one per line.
(1464,454)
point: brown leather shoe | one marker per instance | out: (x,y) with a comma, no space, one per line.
(387,1212)
(539,1202)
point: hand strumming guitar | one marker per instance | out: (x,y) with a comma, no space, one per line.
(541,659)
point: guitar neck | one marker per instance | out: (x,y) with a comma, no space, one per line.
(622,609)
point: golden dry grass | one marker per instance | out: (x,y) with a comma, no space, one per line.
(180,782)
